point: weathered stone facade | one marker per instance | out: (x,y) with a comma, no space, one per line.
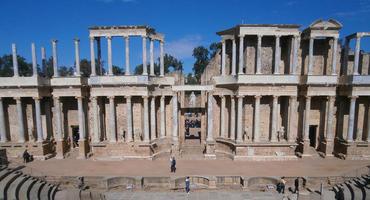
(272,92)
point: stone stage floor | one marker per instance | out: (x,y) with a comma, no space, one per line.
(304,167)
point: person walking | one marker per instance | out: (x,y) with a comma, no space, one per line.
(296,185)
(282,184)
(187,185)
(173,165)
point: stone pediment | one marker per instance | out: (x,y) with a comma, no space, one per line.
(331,24)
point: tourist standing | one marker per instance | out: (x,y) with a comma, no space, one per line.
(173,165)
(296,185)
(187,185)
(282,184)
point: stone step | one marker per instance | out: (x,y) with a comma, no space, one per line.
(5,183)
(23,193)
(44,193)
(16,185)
(36,189)
(53,192)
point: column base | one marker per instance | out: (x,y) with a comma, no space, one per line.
(83,149)
(210,150)
(329,150)
(307,151)
(61,149)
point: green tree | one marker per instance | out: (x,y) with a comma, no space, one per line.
(214,47)
(6,66)
(191,80)
(201,55)
(170,64)
(117,70)
(65,71)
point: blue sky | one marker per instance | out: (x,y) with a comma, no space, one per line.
(186,23)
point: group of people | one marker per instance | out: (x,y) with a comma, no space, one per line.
(280,187)
(27,157)
(173,170)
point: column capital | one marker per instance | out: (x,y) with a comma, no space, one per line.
(293,97)
(257,96)
(54,41)
(296,36)
(79,97)
(92,38)
(17,98)
(144,36)
(145,96)
(222,96)
(93,98)
(358,37)
(36,98)
(108,37)
(76,39)
(307,97)
(126,37)
(56,98)
(239,96)
(259,36)
(353,97)
(277,36)
(275,96)
(312,37)
(111,97)
(241,36)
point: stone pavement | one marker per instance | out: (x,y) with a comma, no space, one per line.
(304,167)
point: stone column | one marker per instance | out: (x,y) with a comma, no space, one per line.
(153,131)
(293,69)
(277,55)
(344,63)
(222,121)
(96,120)
(239,134)
(351,119)
(129,119)
(55,58)
(34,61)
(310,56)
(145,70)
(77,57)
(210,117)
(146,119)
(174,118)
(334,62)
(92,57)
(58,118)
(274,119)
(256,125)
(43,60)
(21,138)
(241,54)
(110,64)
(357,56)
(307,119)
(258,64)
(151,51)
(81,119)
(15,60)
(329,120)
(163,123)
(292,119)
(40,134)
(232,118)
(2,122)
(112,119)
(161,59)
(368,121)
(233,61)
(100,66)
(223,58)
(127,55)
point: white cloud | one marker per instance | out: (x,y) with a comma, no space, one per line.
(183,47)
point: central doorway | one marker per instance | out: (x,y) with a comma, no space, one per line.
(312,135)
(192,124)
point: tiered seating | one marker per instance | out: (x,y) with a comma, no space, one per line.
(357,188)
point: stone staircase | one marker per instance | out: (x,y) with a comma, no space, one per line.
(192,150)
(16,185)
(356,188)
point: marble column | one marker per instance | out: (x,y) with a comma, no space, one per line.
(161,59)
(293,69)
(153,132)
(334,57)
(3,137)
(210,118)
(175,127)
(258,62)
(92,57)
(351,119)
(277,55)
(241,54)
(34,61)
(81,119)
(77,56)
(55,58)
(233,57)
(58,119)
(344,63)
(329,119)
(40,134)
(127,55)
(310,56)
(110,64)
(129,135)
(292,119)
(96,121)
(357,56)
(151,51)
(256,125)
(163,123)
(239,134)
(307,119)
(223,58)
(222,116)
(98,45)
(232,118)
(21,138)
(43,60)
(15,61)
(112,119)
(274,119)
(146,119)
(145,70)
(368,120)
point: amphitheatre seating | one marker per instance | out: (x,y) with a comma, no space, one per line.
(357,188)
(16,185)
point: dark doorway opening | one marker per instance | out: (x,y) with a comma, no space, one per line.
(75,136)
(193,125)
(312,135)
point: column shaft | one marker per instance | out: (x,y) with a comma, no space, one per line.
(329,121)
(307,118)
(55,58)
(40,134)
(151,51)
(96,120)
(92,57)
(310,56)
(351,119)
(292,119)
(277,55)
(81,118)
(21,138)
(232,118)
(233,57)
(161,59)
(210,118)
(258,63)
(293,69)
(241,54)
(145,70)
(3,137)
(43,61)
(239,135)
(223,57)
(256,125)
(334,61)
(100,66)
(77,57)
(222,121)
(34,61)
(146,119)
(112,119)
(129,120)
(163,123)
(15,60)
(110,64)
(153,132)
(368,121)
(357,56)
(174,117)
(127,55)
(58,119)
(274,119)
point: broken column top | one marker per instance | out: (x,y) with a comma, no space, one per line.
(125,31)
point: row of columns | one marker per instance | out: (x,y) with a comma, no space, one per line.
(296,42)
(15,60)
(356,63)
(127,56)
(311,58)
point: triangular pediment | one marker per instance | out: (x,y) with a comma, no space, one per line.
(323,24)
